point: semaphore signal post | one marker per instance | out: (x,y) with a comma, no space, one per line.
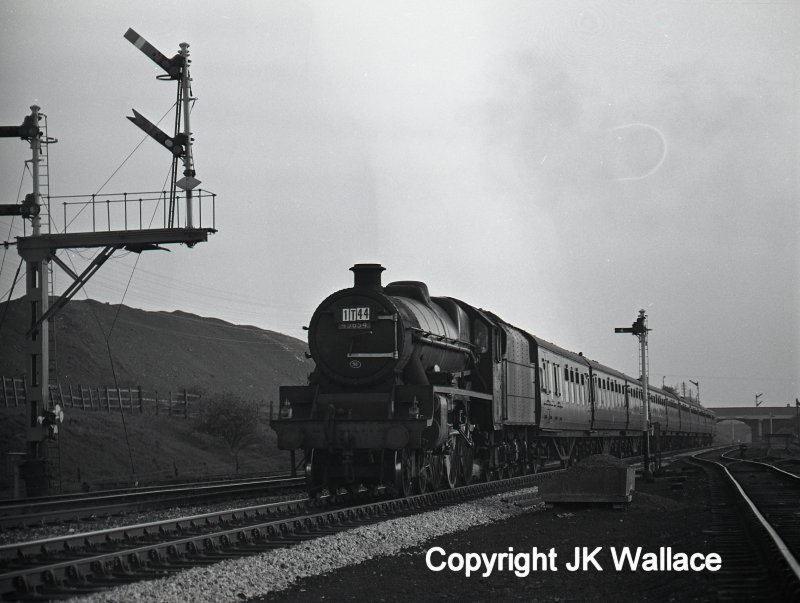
(40,250)
(639,328)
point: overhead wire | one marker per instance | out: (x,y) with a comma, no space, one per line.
(102,186)
(16,278)
(8,301)
(107,336)
(108,342)
(11,225)
(279,344)
(10,290)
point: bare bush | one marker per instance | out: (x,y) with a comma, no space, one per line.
(232,420)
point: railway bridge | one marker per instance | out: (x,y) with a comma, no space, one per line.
(762,420)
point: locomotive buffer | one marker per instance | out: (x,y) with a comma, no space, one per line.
(39,249)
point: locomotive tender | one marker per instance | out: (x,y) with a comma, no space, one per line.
(415,392)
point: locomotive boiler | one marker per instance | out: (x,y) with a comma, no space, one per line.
(413,392)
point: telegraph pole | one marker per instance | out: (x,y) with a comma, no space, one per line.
(639,328)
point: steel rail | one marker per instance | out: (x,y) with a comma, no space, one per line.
(154,488)
(779,543)
(21,550)
(75,508)
(769,466)
(176,543)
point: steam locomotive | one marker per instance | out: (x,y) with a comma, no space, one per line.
(414,393)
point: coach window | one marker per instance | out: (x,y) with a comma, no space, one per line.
(555,380)
(567,388)
(559,382)
(584,389)
(545,377)
(572,389)
(549,378)
(599,392)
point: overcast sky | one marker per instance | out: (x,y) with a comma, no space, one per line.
(562,164)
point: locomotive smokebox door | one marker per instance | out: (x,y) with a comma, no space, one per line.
(353,335)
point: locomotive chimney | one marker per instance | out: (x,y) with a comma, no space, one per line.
(367,275)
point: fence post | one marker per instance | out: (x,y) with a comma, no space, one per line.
(185,404)
(14,386)
(108,400)
(141,403)
(71,398)
(61,395)
(119,399)
(83,401)
(91,399)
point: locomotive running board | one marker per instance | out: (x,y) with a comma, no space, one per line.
(462,392)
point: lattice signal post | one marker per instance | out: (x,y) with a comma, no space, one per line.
(639,328)
(39,249)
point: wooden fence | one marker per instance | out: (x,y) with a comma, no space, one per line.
(124,399)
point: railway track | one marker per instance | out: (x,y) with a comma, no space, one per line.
(36,512)
(80,563)
(755,526)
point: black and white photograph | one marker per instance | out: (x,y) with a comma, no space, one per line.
(351,300)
